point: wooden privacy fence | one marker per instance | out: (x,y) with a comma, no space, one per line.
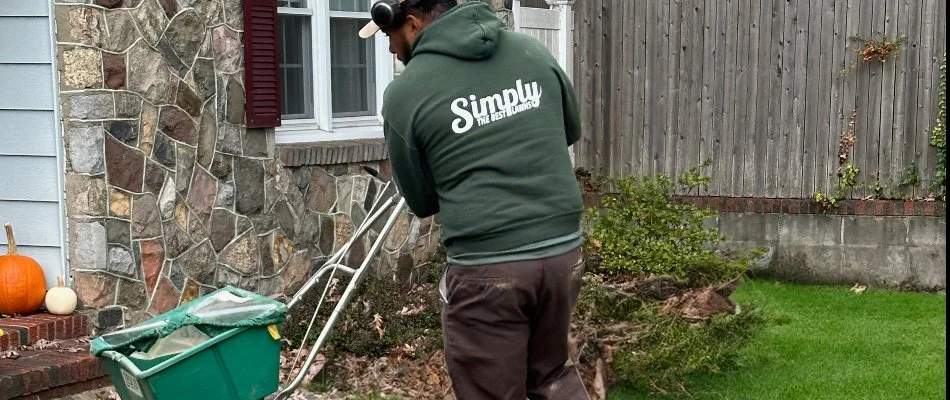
(758,87)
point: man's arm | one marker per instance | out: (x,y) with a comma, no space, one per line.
(411,173)
(572,118)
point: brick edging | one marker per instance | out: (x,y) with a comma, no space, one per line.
(332,152)
(48,373)
(26,330)
(872,207)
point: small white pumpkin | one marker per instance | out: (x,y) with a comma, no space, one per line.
(60,300)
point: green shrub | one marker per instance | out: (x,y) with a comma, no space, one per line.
(641,229)
(670,348)
(649,249)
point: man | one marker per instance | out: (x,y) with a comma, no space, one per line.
(478,127)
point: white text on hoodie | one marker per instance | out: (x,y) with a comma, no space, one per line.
(491,108)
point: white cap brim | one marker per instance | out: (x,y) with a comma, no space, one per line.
(369,30)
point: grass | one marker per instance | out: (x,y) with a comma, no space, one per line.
(827,342)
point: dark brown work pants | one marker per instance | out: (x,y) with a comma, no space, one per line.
(506,329)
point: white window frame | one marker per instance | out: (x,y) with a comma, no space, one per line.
(323,127)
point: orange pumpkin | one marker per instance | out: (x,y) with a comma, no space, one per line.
(22,281)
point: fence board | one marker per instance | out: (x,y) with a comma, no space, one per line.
(927,84)
(910,56)
(760,130)
(837,119)
(691,136)
(825,101)
(639,91)
(649,94)
(615,84)
(898,138)
(709,57)
(889,174)
(746,165)
(810,100)
(672,9)
(741,87)
(777,93)
(758,87)
(872,173)
(582,81)
(597,84)
(682,80)
(728,111)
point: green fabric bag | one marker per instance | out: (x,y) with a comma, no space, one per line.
(214,313)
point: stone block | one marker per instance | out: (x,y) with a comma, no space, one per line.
(809,229)
(927,231)
(113,67)
(125,166)
(84,143)
(151,20)
(109,318)
(88,105)
(81,68)
(79,24)
(94,290)
(743,226)
(227,49)
(874,231)
(929,267)
(148,74)
(122,31)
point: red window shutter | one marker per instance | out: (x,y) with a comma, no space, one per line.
(261,64)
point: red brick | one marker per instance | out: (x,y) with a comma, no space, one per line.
(793,206)
(59,329)
(43,331)
(12,336)
(908,208)
(11,384)
(68,327)
(39,371)
(940,209)
(929,208)
(860,207)
(749,205)
(879,207)
(768,205)
(732,204)
(845,207)
(699,202)
(4,341)
(715,203)
(72,389)
(80,326)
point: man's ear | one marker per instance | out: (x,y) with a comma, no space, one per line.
(414,23)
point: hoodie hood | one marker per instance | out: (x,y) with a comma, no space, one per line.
(469,31)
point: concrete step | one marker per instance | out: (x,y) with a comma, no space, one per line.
(30,329)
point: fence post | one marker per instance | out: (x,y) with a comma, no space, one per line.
(516,14)
(565,44)
(565,34)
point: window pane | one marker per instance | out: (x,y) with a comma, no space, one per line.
(291,3)
(349,5)
(296,88)
(352,69)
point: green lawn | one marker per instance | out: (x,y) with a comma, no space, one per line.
(829,343)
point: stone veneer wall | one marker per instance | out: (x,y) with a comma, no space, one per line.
(169,195)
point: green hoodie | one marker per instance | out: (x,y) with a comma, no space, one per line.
(477,127)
